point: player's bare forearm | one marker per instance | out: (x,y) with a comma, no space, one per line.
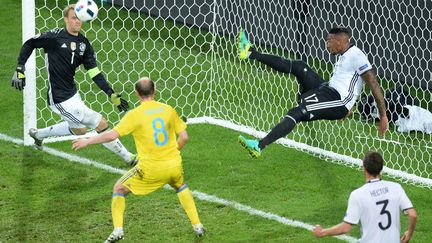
(370,78)
(412,220)
(182,139)
(101,138)
(104,137)
(338,229)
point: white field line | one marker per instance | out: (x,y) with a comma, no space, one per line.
(404,176)
(70,137)
(395,142)
(200,195)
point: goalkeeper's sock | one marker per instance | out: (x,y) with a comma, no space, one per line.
(118,206)
(280,130)
(188,204)
(60,129)
(117,147)
(275,62)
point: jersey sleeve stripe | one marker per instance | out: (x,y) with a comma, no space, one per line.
(407,208)
(350,95)
(349,223)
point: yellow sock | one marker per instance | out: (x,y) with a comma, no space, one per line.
(188,204)
(118,206)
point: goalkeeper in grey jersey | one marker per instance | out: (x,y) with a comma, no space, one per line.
(65,50)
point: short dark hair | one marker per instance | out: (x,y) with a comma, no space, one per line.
(145,87)
(339,30)
(373,163)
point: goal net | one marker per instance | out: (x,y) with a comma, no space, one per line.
(189,48)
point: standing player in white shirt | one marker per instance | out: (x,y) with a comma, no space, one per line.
(376,205)
(319,100)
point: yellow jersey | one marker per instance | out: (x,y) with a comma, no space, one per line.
(154,127)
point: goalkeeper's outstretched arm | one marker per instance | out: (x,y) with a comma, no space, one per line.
(102,83)
(96,75)
(42,40)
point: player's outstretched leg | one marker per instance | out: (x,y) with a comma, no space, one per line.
(282,129)
(251,145)
(59,129)
(33,132)
(307,78)
(243,45)
(116,146)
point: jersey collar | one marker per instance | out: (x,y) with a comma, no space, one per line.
(374,180)
(351,45)
(67,32)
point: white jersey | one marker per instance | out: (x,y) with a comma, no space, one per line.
(419,119)
(377,206)
(346,77)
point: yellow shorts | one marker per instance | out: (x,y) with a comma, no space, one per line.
(140,183)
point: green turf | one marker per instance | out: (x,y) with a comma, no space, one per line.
(201,79)
(56,197)
(47,199)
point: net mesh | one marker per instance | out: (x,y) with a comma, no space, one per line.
(189,49)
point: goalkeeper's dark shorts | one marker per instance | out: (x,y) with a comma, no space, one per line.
(322,103)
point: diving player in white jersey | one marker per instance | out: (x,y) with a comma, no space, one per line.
(319,100)
(376,205)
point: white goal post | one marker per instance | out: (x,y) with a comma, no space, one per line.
(189,48)
(28,31)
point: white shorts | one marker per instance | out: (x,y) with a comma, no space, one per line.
(76,113)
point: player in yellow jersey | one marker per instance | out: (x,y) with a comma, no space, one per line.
(159,135)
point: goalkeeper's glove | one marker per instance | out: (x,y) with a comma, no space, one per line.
(18,79)
(121,103)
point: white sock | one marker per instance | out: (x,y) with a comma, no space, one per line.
(118,230)
(117,147)
(60,129)
(197,226)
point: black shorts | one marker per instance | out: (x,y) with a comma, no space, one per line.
(322,103)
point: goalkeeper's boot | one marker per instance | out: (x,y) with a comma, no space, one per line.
(199,230)
(251,145)
(133,160)
(244,45)
(115,236)
(37,141)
